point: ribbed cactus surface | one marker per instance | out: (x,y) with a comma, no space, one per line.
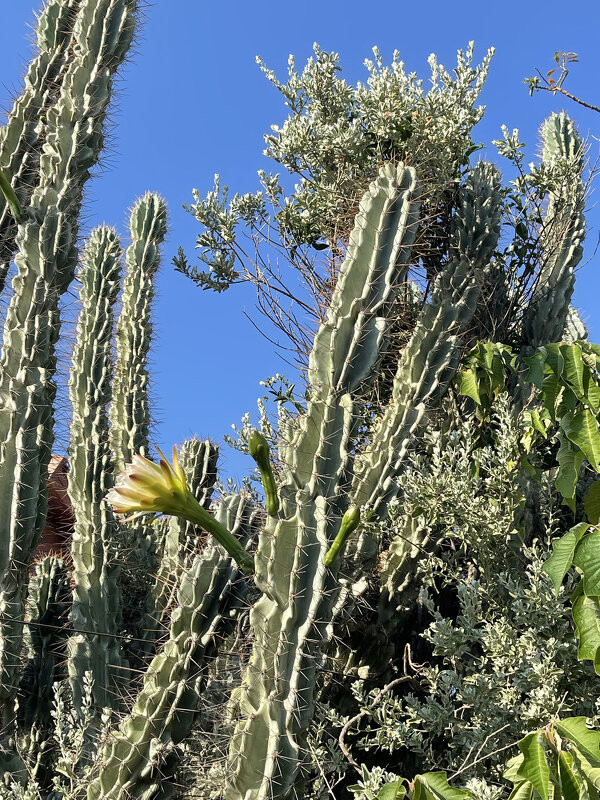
(46,257)
(96,596)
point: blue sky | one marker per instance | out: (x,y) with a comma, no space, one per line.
(192,102)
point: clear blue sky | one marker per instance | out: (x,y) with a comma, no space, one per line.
(192,102)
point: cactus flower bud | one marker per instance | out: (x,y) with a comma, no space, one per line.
(148,488)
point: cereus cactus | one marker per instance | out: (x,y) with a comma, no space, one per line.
(96,612)
(46,256)
(22,138)
(562,232)
(132,765)
(268,749)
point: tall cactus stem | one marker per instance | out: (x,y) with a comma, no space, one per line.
(46,259)
(96,595)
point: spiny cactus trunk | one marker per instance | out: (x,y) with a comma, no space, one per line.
(46,259)
(22,138)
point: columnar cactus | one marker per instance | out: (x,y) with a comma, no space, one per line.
(96,597)
(22,138)
(129,412)
(46,256)
(562,232)
(289,621)
(209,594)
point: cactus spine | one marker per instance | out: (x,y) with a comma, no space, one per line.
(46,259)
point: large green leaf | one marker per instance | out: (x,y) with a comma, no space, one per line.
(523,791)
(570,459)
(469,385)
(536,369)
(574,368)
(582,429)
(435,786)
(592,503)
(554,358)
(535,768)
(570,785)
(586,615)
(586,740)
(563,549)
(551,392)
(392,791)
(592,391)
(587,559)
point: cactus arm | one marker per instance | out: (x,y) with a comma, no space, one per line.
(96,594)
(561,236)
(45,260)
(164,710)
(129,412)
(22,138)
(354,337)
(432,355)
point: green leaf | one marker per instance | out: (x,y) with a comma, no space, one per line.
(435,786)
(563,550)
(592,503)
(536,369)
(569,782)
(554,358)
(537,423)
(587,559)
(551,392)
(392,791)
(573,368)
(570,459)
(469,385)
(523,791)
(535,768)
(592,391)
(582,429)
(586,740)
(586,616)
(513,765)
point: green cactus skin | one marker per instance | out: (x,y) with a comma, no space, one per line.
(45,260)
(259,450)
(207,601)
(48,607)
(48,604)
(96,595)
(22,138)
(431,357)
(350,522)
(425,367)
(276,701)
(561,236)
(129,412)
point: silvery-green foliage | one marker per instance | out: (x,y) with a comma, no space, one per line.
(497,645)
(335,137)
(370,782)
